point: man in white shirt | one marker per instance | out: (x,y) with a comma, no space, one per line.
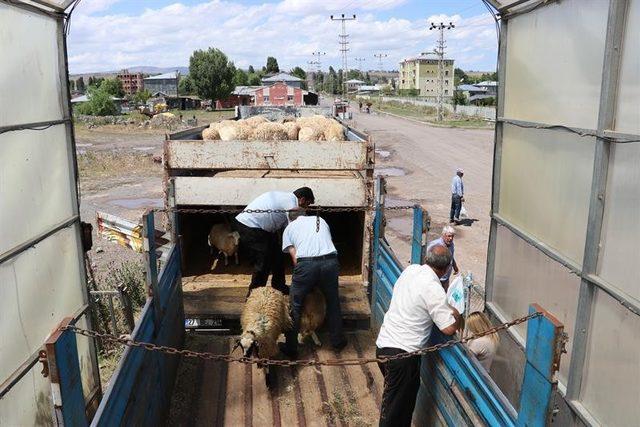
(418,302)
(457,196)
(315,261)
(259,234)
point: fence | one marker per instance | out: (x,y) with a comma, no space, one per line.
(488,113)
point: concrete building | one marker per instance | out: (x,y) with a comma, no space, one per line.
(131,82)
(353,85)
(421,73)
(241,95)
(287,79)
(165,83)
(279,94)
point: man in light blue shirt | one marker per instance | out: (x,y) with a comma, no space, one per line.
(446,240)
(457,196)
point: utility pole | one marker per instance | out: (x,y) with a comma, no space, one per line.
(360,60)
(344,47)
(318,63)
(380,56)
(312,68)
(440,49)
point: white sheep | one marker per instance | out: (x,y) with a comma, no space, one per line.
(226,241)
(264,317)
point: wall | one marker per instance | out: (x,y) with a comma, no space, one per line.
(166,86)
(488,113)
(279,94)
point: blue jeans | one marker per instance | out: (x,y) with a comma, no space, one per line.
(456,205)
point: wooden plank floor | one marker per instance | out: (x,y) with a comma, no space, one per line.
(216,296)
(236,395)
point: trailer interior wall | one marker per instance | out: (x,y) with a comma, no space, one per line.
(566,192)
(42,277)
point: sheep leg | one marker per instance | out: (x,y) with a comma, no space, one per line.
(315,339)
(215,263)
(236,256)
(268,378)
(226,259)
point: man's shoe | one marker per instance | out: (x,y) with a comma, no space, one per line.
(341,346)
(291,354)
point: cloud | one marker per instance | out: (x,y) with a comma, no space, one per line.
(166,36)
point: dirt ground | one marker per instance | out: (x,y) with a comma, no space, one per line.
(419,162)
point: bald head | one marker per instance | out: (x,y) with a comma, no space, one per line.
(439,259)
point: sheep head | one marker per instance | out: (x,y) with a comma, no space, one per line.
(248,344)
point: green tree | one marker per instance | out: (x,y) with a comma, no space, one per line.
(254,80)
(459,98)
(113,87)
(72,84)
(459,76)
(240,78)
(212,74)
(80,84)
(99,103)
(186,86)
(251,70)
(272,65)
(142,96)
(299,72)
(367,78)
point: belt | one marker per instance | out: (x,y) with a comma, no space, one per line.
(318,258)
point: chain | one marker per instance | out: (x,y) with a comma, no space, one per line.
(313,209)
(302,362)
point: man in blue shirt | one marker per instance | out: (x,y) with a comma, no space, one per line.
(457,196)
(446,240)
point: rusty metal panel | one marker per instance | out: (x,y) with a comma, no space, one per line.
(316,155)
(239,191)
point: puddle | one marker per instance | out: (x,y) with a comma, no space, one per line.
(389,172)
(144,148)
(383,154)
(138,203)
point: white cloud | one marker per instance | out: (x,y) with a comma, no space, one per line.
(248,34)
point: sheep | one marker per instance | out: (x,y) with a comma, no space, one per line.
(292,130)
(226,241)
(334,132)
(313,313)
(264,317)
(270,132)
(231,130)
(311,133)
(255,120)
(210,133)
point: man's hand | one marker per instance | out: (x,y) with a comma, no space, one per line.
(450,330)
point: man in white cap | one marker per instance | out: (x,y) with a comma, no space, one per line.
(457,196)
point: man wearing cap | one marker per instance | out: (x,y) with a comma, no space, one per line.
(457,196)
(260,233)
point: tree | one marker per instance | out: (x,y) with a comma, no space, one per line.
(251,70)
(459,76)
(212,74)
(80,84)
(367,78)
(142,96)
(254,80)
(72,84)
(299,72)
(113,87)
(240,78)
(459,98)
(99,103)
(272,65)
(186,86)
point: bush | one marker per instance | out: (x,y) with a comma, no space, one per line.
(99,104)
(408,92)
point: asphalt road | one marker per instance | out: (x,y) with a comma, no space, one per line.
(420,161)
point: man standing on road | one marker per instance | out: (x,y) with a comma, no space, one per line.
(315,261)
(418,301)
(457,196)
(446,240)
(259,234)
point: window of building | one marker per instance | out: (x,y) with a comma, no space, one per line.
(446,82)
(446,73)
(266,98)
(289,97)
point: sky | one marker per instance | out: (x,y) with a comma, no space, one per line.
(108,35)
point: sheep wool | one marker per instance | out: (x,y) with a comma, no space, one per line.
(255,120)
(311,133)
(334,132)
(231,130)
(264,317)
(292,129)
(223,238)
(313,313)
(210,134)
(270,132)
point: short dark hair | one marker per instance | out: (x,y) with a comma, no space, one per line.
(306,193)
(438,257)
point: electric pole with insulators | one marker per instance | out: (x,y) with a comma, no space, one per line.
(380,57)
(440,50)
(344,47)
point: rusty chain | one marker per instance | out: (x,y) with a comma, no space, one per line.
(311,209)
(289,363)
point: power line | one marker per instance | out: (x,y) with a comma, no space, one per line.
(380,56)
(360,61)
(440,50)
(344,47)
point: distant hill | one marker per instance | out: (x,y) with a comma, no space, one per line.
(146,69)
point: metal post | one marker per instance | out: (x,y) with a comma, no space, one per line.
(440,49)
(151,260)
(127,307)
(606,117)
(421,224)
(66,380)
(344,48)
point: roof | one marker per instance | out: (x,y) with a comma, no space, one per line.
(355,81)
(280,77)
(424,58)
(487,83)
(245,90)
(364,88)
(476,97)
(471,88)
(171,75)
(85,98)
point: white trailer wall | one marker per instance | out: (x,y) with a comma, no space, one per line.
(42,277)
(565,226)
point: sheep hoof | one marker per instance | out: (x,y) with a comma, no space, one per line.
(315,339)
(215,264)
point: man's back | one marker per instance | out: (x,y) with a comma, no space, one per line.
(301,233)
(271,222)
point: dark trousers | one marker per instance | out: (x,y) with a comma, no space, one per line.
(401,384)
(265,255)
(456,205)
(308,274)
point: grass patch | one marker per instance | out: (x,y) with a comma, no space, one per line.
(99,168)
(204,117)
(429,115)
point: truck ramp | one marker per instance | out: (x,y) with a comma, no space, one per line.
(219,394)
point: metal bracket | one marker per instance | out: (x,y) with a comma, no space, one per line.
(42,358)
